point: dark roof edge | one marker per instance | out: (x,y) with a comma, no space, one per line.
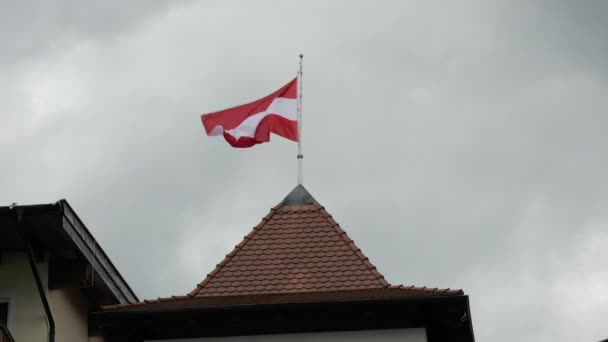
(99,257)
(6,210)
(423,300)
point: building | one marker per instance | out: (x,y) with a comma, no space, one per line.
(296,276)
(53,275)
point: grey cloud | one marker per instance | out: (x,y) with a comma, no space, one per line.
(460,145)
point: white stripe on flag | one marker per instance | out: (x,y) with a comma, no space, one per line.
(280,106)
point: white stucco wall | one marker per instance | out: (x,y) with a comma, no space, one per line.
(27,321)
(402,335)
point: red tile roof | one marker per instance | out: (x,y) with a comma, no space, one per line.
(296,248)
(297,252)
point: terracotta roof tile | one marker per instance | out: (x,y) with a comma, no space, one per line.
(296,248)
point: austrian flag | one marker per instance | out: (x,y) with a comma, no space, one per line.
(252,123)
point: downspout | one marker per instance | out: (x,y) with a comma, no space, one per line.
(32,261)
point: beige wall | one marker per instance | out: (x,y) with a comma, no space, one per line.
(27,321)
(70,310)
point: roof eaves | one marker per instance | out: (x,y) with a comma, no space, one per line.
(423,292)
(100,256)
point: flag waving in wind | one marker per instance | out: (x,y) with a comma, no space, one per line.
(250,124)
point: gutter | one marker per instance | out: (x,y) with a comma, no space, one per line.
(32,262)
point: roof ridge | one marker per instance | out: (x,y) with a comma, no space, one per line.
(238,247)
(351,243)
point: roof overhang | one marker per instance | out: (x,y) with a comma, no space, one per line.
(75,258)
(444,318)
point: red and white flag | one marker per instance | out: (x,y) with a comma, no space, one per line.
(252,123)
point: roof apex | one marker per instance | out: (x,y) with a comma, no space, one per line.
(298,196)
(297,247)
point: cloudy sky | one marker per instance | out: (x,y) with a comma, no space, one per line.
(461,144)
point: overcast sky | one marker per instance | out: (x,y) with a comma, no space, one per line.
(460,144)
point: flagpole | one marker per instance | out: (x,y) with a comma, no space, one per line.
(300,156)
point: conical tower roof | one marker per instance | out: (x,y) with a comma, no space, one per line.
(297,253)
(297,247)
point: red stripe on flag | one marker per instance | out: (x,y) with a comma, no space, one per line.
(271,122)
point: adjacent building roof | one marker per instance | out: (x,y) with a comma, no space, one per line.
(73,251)
(297,253)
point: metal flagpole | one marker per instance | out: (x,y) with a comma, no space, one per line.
(299,106)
